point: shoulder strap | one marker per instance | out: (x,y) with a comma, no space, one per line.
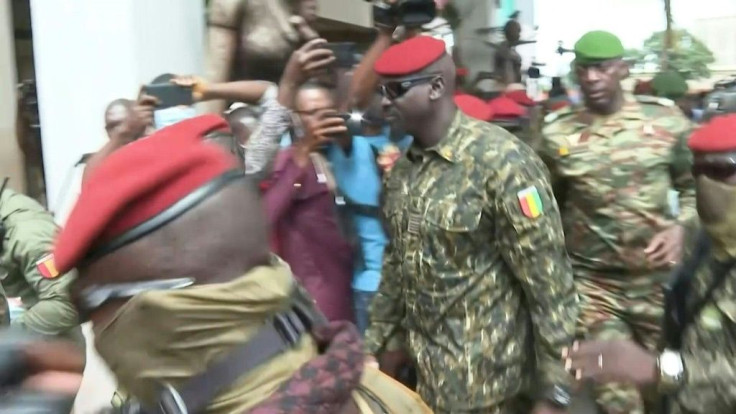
(282,332)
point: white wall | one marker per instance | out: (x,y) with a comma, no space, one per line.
(89,52)
(11,159)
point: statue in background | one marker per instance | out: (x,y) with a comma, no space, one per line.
(253,39)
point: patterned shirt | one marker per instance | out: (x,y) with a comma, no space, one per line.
(476,282)
(613,176)
(709,350)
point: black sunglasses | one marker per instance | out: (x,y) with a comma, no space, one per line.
(396,89)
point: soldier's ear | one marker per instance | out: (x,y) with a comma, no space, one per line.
(437,89)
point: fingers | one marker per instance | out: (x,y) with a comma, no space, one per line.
(584,359)
(306,33)
(185,81)
(148,100)
(55,382)
(656,244)
(315,66)
(313,44)
(55,356)
(331,132)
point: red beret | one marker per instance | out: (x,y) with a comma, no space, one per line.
(719,135)
(138,182)
(520,97)
(410,56)
(504,107)
(473,107)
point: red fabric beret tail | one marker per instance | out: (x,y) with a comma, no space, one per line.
(520,97)
(504,107)
(139,181)
(719,135)
(474,107)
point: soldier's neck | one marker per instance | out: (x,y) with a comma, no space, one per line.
(616,104)
(435,129)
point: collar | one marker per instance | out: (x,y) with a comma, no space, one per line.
(448,148)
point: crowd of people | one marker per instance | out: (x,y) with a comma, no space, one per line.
(375,239)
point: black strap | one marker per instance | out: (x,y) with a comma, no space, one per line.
(281,333)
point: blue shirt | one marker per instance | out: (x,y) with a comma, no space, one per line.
(359,179)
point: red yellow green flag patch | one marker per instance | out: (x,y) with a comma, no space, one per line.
(531,203)
(47,267)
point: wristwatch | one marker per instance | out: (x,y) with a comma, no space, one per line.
(671,370)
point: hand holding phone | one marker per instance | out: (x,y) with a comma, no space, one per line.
(169,94)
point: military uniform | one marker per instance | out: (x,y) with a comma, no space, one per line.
(27,270)
(475,277)
(613,178)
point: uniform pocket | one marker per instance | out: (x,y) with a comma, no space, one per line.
(453,217)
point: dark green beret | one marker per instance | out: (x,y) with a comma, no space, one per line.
(596,46)
(669,84)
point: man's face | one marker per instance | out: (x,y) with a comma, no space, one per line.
(601,82)
(310,105)
(406,100)
(718,167)
(114,118)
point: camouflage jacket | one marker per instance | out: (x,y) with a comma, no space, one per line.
(613,178)
(709,351)
(25,257)
(475,283)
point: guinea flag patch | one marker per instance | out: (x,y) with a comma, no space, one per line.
(530,202)
(47,267)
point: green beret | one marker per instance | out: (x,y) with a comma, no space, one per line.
(669,84)
(596,46)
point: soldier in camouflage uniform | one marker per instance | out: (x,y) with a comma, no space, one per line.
(614,164)
(27,268)
(697,370)
(476,285)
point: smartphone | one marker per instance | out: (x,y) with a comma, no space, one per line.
(344,54)
(169,94)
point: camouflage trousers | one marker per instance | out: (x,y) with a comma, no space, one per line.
(617,310)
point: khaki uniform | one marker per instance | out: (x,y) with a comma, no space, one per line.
(29,236)
(475,280)
(613,178)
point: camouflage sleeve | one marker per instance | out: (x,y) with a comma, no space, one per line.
(385,332)
(530,229)
(547,151)
(683,181)
(709,381)
(30,234)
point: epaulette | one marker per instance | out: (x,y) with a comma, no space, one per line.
(655,100)
(560,113)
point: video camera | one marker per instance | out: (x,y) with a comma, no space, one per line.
(721,101)
(409,13)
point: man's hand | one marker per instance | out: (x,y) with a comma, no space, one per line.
(139,119)
(665,249)
(198,85)
(326,129)
(306,62)
(306,33)
(611,361)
